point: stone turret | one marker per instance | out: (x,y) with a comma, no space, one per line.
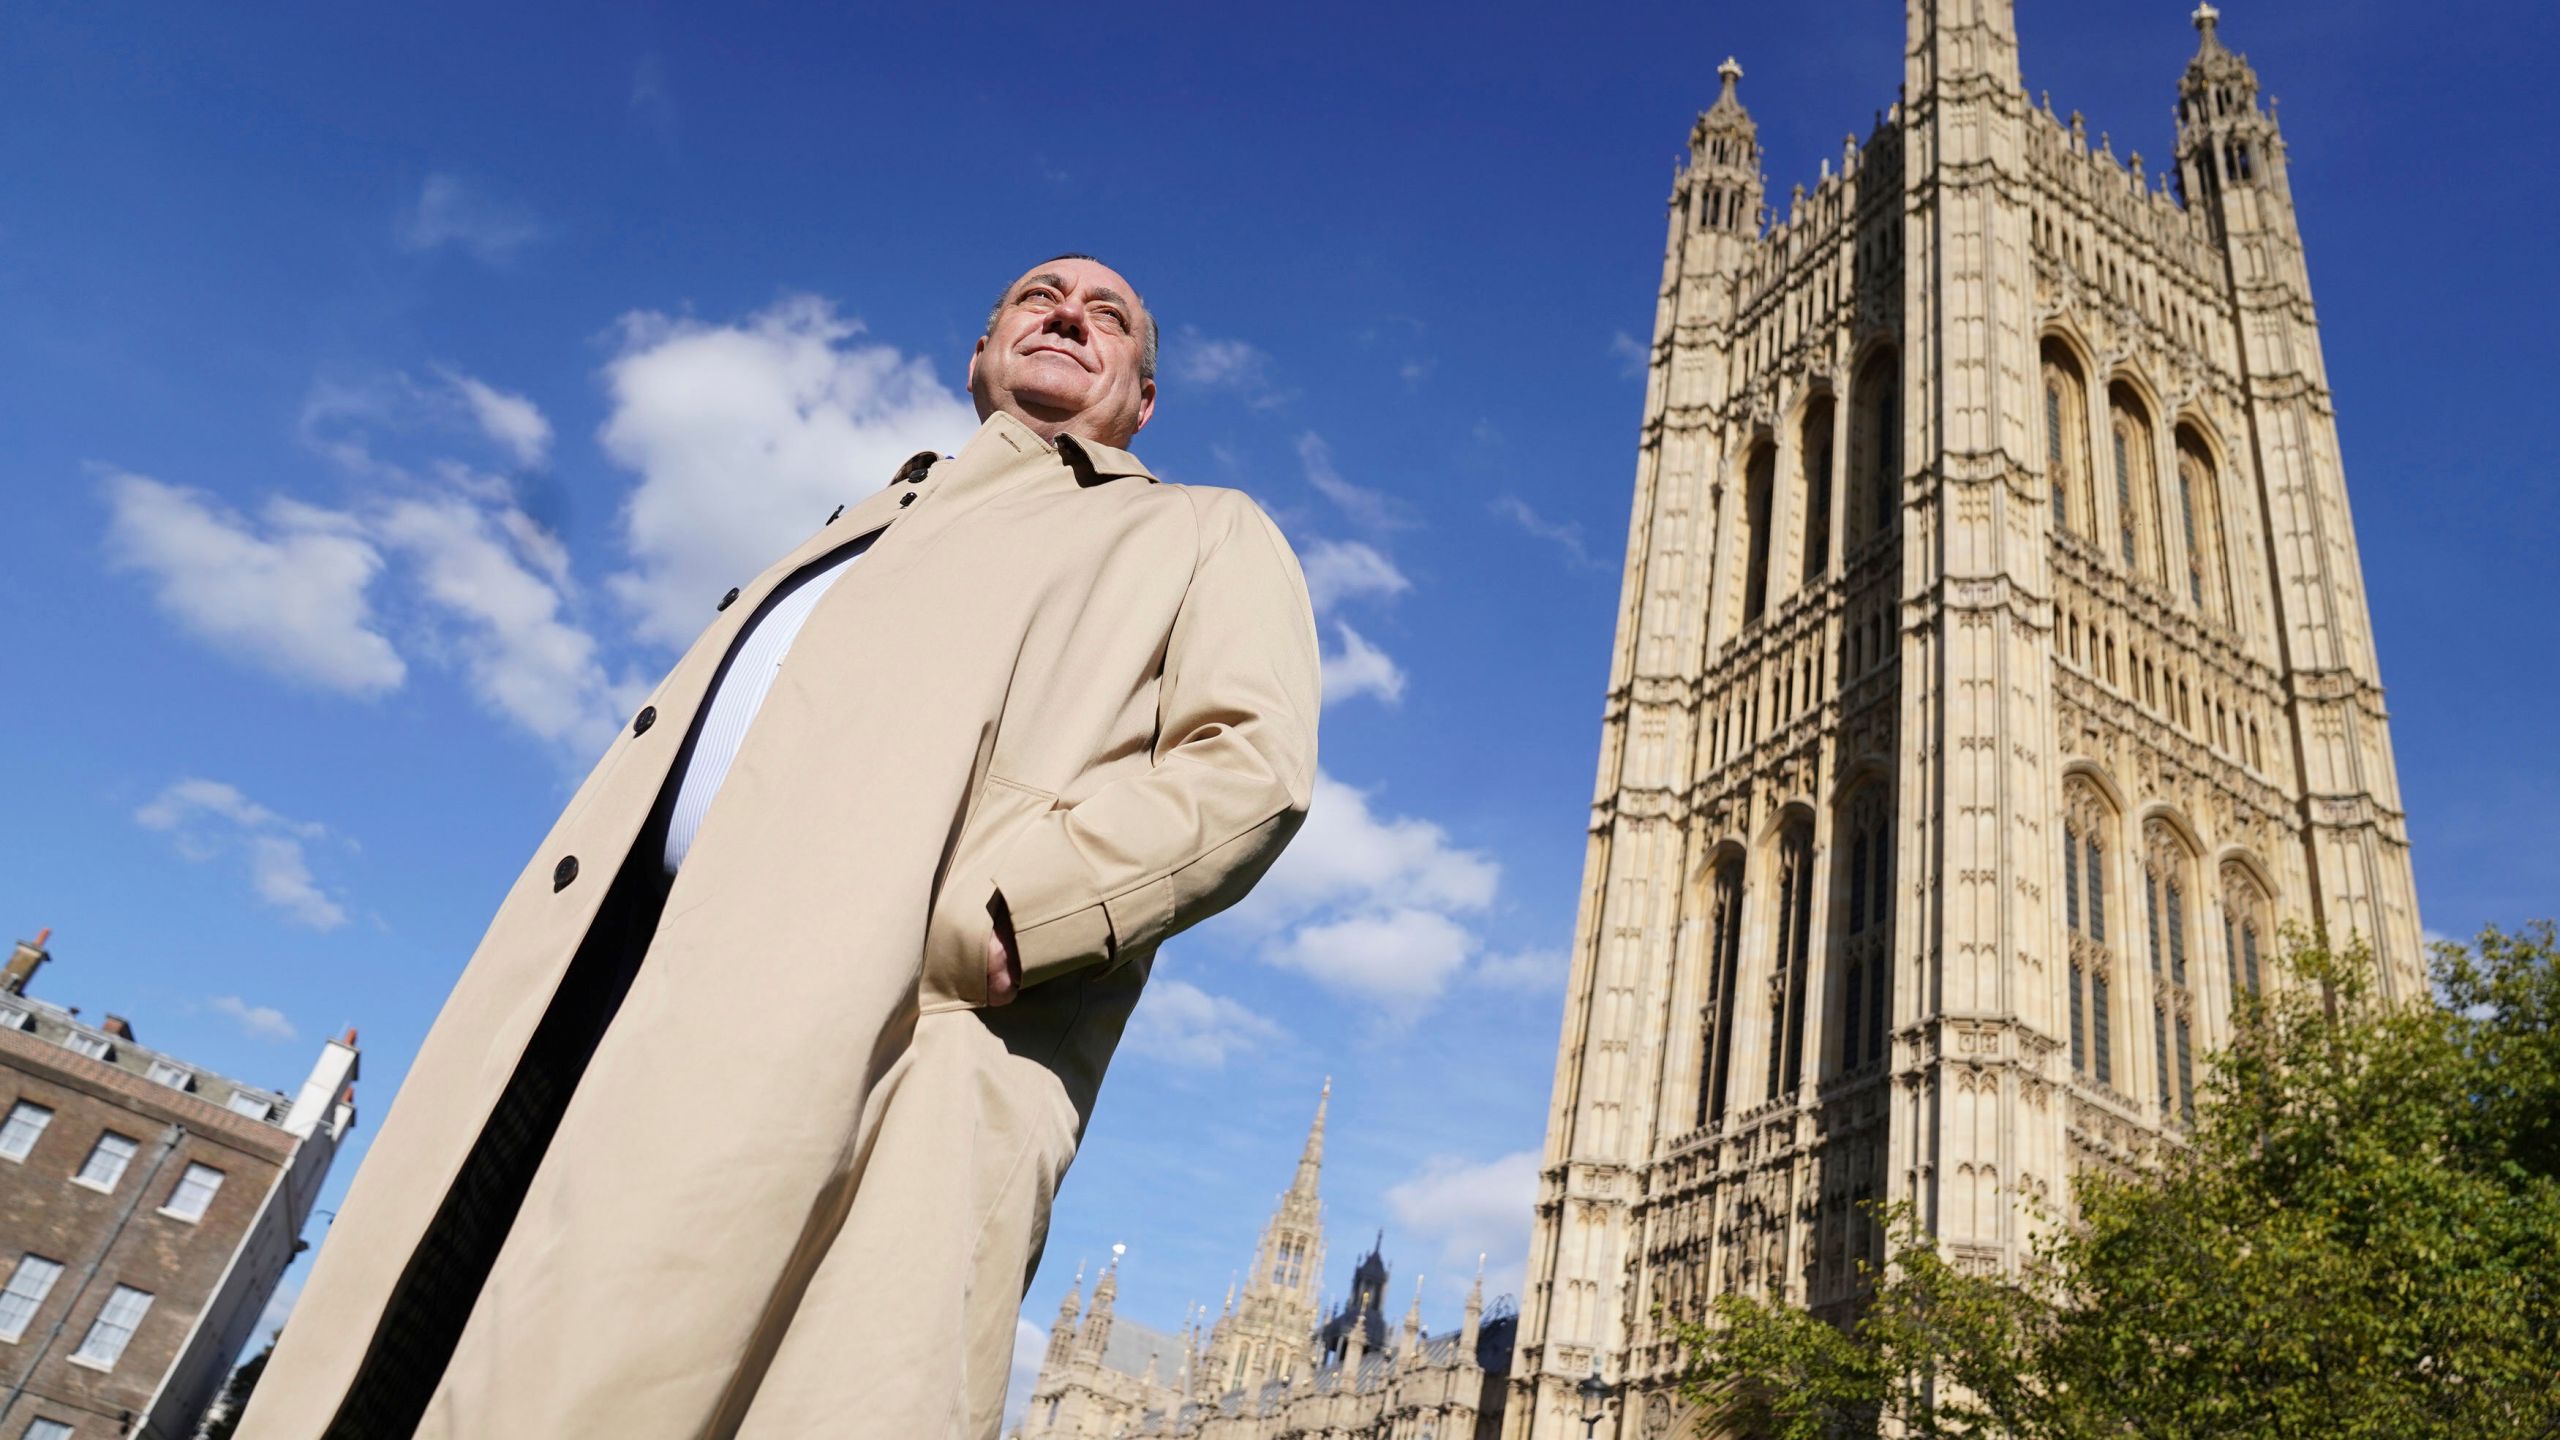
(1473,1325)
(1062,1331)
(1097,1321)
(1409,1340)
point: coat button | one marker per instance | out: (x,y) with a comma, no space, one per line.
(563,873)
(647,717)
(906,500)
(727,600)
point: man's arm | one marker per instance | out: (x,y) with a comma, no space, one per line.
(1235,763)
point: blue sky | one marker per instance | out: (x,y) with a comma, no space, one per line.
(384,392)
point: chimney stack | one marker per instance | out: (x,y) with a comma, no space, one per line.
(28,958)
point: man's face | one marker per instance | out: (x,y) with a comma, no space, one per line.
(1064,354)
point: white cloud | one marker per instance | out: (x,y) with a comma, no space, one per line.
(454,211)
(1564,535)
(1030,1343)
(1339,570)
(207,819)
(745,436)
(343,418)
(653,101)
(514,422)
(1399,959)
(1534,972)
(258,1022)
(1372,510)
(1632,355)
(1346,855)
(1179,1022)
(289,595)
(1233,365)
(523,658)
(1376,908)
(1360,668)
(1469,1209)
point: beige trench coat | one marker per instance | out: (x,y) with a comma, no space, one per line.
(800,1186)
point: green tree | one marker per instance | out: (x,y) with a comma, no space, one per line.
(2358,1237)
(236,1393)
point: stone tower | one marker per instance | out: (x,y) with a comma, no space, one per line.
(1263,1335)
(1993,676)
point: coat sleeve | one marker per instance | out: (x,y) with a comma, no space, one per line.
(1234,765)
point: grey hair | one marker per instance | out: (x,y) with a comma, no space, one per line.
(1147,348)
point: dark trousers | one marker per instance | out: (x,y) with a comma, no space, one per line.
(433,1299)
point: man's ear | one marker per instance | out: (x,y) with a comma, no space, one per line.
(969,377)
(1146,404)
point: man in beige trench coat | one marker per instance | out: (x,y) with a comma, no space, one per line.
(728,1128)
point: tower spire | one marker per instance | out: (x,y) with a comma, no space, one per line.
(1311,1159)
(1724,162)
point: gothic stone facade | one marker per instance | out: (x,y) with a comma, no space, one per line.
(1273,1367)
(1993,678)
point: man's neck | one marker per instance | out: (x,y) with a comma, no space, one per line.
(1050,427)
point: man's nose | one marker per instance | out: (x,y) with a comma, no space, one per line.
(1067,317)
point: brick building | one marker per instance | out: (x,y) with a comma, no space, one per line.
(147,1209)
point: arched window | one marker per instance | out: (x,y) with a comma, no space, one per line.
(2087,826)
(1864,949)
(2166,866)
(1789,962)
(1817,490)
(1875,447)
(2137,488)
(1724,964)
(2244,929)
(1759,480)
(2200,511)
(2066,442)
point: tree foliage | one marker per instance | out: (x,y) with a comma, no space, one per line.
(2357,1239)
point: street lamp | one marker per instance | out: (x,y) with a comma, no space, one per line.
(1596,1394)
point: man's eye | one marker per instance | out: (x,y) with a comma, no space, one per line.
(1114,318)
(1037,293)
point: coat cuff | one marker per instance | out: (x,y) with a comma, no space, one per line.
(1059,927)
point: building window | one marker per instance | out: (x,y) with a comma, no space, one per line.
(28,1285)
(2200,496)
(193,1193)
(2084,909)
(47,1430)
(2244,920)
(2165,866)
(96,1047)
(18,1133)
(106,1162)
(1817,492)
(1865,948)
(253,1106)
(176,1077)
(2066,442)
(1875,464)
(1724,965)
(13,1018)
(114,1327)
(1760,478)
(1788,965)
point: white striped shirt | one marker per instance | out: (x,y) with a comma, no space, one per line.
(740,694)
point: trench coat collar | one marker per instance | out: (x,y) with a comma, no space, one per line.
(1091,460)
(1002,453)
